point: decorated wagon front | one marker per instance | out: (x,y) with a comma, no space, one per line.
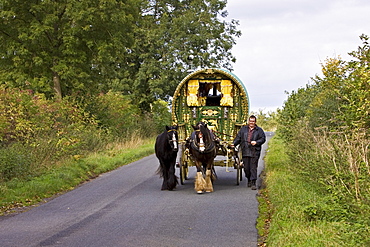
(214,96)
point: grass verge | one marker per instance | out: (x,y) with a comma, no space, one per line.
(297,212)
(18,194)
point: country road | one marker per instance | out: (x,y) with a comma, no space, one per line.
(126,207)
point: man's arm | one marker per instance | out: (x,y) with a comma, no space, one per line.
(261,137)
(237,139)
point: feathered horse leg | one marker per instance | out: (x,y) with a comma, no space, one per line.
(199,183)
(172,178)
(208,181)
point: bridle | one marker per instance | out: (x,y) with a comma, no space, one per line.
(200,146)
(173,140)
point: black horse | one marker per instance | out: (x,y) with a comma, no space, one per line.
(203,150)
(166,147)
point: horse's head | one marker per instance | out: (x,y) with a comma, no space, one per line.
(172,137)
(202,136)
(197,126)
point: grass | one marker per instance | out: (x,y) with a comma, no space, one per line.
(294,211)
(18,194)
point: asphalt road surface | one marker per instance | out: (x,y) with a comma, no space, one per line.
(126,207)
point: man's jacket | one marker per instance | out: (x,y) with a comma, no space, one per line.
(248,150)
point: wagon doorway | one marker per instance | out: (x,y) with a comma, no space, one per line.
(211,92)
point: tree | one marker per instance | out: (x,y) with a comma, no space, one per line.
(171,31)
(340,99)
(140,48)
(64,46)
(268,121)
(345,91)
(295,108)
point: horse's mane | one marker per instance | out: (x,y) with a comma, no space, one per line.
(206,133)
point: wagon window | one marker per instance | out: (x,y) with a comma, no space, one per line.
(209,93)
(214,95)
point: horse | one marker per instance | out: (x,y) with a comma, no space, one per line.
(166,147)
(203,150)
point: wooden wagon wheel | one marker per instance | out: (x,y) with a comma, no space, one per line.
(239,169)
(184,165)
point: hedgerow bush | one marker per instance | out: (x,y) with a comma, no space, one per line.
(326,129)
(338,161)
(116,114)
(36,132)
(15,161)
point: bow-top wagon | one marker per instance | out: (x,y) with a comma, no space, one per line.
(218,98)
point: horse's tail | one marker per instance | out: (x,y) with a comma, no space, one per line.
(159,153)
(160,171)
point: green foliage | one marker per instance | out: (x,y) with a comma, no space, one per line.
(15,161)
(115,113)
(118,116)
(36,130)
(338,99)
(16,108)
(161,115)
(325,127)
(36,133)
(167,34)
(25,115)
(139,48)
(64,46)
(294,109)
(339,162)
(44,141)
(301,211)
(268,121)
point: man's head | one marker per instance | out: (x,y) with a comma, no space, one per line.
(252,121)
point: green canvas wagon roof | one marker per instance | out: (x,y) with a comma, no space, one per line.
(217,70)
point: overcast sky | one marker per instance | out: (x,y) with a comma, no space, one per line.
(284,42)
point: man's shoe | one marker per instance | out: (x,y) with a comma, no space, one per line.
(249,183)
(254,187)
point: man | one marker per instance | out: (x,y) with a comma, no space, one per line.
(250,137)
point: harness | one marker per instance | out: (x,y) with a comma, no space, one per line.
(195,145)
